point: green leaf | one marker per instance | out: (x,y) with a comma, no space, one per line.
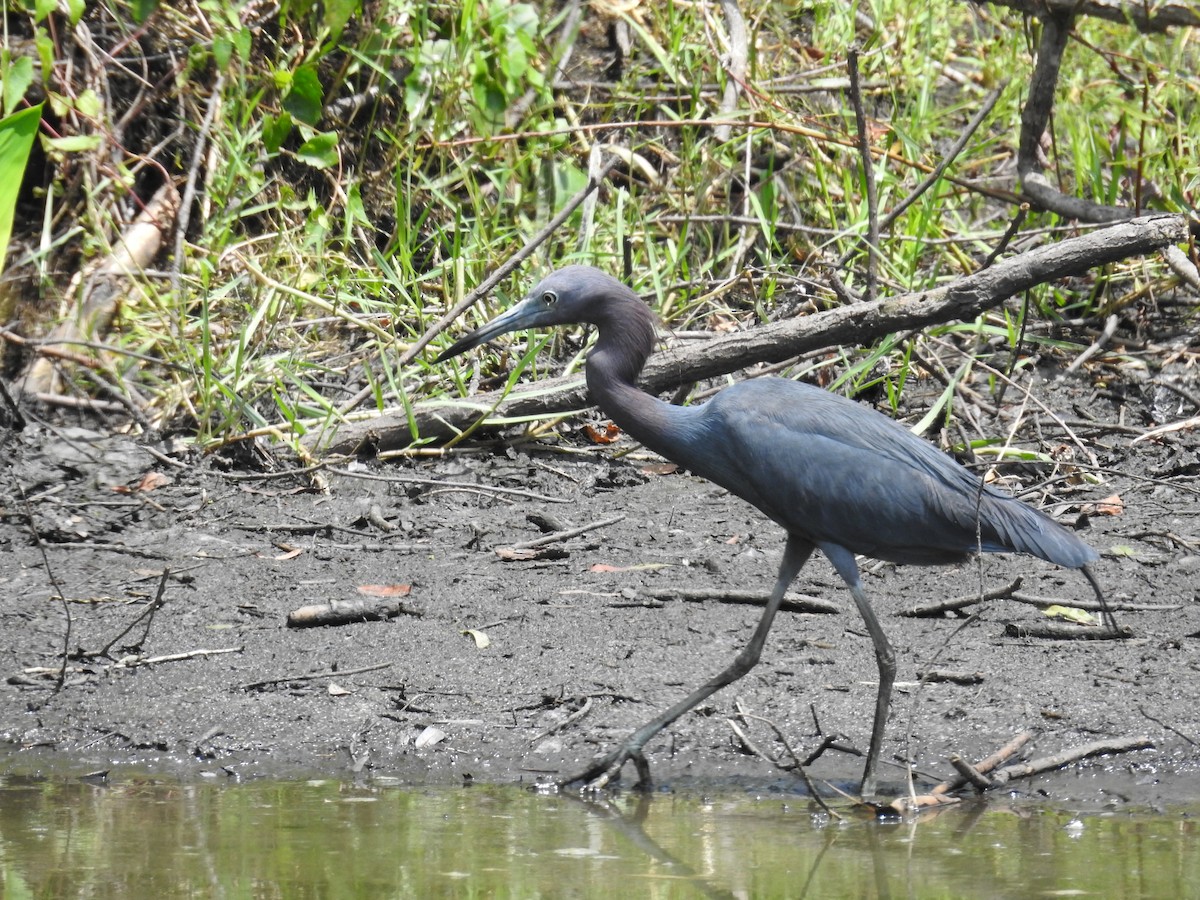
(222,50)
(305,99)
(75,10)
(75,143)
(43,8)
(16,140)
(320,151)
(88,103)
(18,76)
(337,14)
(142,9)
(244,41)
(275,131)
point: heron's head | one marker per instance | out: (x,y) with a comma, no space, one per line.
(567,296)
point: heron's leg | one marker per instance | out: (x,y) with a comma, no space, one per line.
(1109,619)
(795,555)
(885,657)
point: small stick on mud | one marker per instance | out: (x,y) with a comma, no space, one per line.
(345,612)
(1092,605)
(1062,631)
(133,662)
(978,775)
(1001,756)
(565,723)
(560,535)
(970,773)
(795,767)
(147,614)
(798,603)
(1171,728)
(960,603)
(311,676)
(945,676)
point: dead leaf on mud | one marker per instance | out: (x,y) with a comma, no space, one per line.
(662,468)
(429,737)
(1069,614)
(385,590)
(641,567)
(603,434)
(149,482)
(524,554)
(336,690)
(482,641)
(1111,505)
(291,553)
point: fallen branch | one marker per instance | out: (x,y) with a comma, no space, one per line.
(945,676)
(126,662)
(133,662)
(1001,756)
(797,603)
(100,290)
(777,341)
(1062,631)
(978,775)
(1060,760)
(346,612)
(1158,16)
(960,603)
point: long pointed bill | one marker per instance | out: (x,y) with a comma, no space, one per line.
(529,313)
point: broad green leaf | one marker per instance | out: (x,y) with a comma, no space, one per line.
(305,99)
(142,9)
(18,76)
(16,140)
(275,131)
(320,151)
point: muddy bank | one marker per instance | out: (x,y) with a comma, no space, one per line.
(216,682)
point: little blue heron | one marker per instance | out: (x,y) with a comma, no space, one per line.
(838,476)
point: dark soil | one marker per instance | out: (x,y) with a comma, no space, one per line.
(245,551)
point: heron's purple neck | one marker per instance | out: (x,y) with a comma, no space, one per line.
(626,335)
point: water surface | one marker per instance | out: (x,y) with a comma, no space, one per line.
(144,837)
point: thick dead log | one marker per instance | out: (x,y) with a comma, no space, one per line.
(1146,17)
(100,289)
(778,341)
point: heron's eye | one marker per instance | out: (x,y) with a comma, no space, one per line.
(549,298)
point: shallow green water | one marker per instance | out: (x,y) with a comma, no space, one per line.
(327,839)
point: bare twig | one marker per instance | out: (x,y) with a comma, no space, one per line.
(311,676)
(508,266)
(58,591)
(958,603)
(147,614)
(735,63)
(565,723)
(952,154)
(1171,728)
(796,603)
(565,535)
(864,149)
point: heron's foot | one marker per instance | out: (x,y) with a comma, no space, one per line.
(607,770)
